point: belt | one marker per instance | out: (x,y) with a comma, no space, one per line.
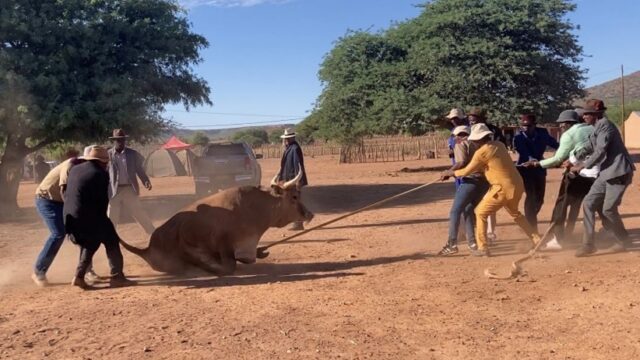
(122,185)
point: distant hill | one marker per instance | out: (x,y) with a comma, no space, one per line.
(610,91)
(223,134)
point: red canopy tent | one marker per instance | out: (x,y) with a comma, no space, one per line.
(175,144)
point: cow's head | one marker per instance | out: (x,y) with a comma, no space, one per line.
(290,208)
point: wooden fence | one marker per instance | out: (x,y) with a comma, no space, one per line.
(377,149)
(275,151)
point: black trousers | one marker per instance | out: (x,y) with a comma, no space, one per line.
(89,244)
(535,184)
(573,190)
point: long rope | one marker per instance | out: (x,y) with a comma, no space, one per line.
(261,250)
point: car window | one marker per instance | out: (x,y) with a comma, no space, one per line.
(225,150)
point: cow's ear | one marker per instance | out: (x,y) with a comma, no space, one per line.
(277,190)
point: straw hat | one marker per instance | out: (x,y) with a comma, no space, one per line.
(460,129)
(87,151)
(456,113)
(479,132)
(98,153)
(288,134)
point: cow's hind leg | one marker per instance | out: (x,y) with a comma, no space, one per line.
(219,265)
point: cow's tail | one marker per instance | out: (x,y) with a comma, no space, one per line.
(140,252)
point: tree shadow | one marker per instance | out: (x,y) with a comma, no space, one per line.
(350,197)
(266,273)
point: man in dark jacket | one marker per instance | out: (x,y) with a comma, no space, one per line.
(292,162)
(531,143)
(605,148)
(127,165)
(85,216)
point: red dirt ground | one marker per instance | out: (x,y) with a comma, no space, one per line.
(368,287)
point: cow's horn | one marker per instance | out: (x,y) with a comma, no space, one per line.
(274,181)
(293,181)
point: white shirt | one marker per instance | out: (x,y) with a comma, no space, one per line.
(588,173)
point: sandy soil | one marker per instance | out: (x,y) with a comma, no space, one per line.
(368,287)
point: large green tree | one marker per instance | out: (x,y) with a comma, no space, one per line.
(506,55)
(72,70)
(254,137)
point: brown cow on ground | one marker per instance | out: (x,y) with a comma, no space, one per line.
(219,230)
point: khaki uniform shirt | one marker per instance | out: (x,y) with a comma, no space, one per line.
(49,188)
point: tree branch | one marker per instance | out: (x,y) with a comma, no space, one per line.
(39,145)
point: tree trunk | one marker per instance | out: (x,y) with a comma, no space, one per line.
(11,168)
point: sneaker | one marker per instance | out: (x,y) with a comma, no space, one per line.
(553,244)
(585,250)
(480,252)
(79,282)
(448,250)
(91,276)
(40,280)
(121,281)
(473,246)
(619,247)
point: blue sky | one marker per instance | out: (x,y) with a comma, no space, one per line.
(264,55)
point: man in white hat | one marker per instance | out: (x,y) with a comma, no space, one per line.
(505,184)
(85,217)
(468,195)
(291,163)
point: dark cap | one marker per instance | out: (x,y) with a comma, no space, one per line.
(594,106)
(478,112)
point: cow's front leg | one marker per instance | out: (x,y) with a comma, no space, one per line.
(218,265)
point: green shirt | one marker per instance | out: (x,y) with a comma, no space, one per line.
(570,141)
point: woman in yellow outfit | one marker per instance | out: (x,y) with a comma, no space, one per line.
(506,186)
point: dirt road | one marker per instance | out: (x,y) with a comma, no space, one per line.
(368,287)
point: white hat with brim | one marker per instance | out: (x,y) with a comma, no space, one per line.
(461,129)
(456,113)
(288,134)
(479,132)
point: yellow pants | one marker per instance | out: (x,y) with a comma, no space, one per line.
(490,204)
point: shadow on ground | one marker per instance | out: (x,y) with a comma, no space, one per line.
(265,273)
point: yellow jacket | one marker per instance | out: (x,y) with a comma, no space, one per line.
(493,159)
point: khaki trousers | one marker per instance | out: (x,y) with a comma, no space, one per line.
(127,198)
(494,200)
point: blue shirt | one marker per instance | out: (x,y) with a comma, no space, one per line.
(533,147)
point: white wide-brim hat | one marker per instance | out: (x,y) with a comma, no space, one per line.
(479,132)
(456,113)
(288,134)
(461,129)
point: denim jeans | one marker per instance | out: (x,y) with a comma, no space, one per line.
(468,195)
(51,214)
